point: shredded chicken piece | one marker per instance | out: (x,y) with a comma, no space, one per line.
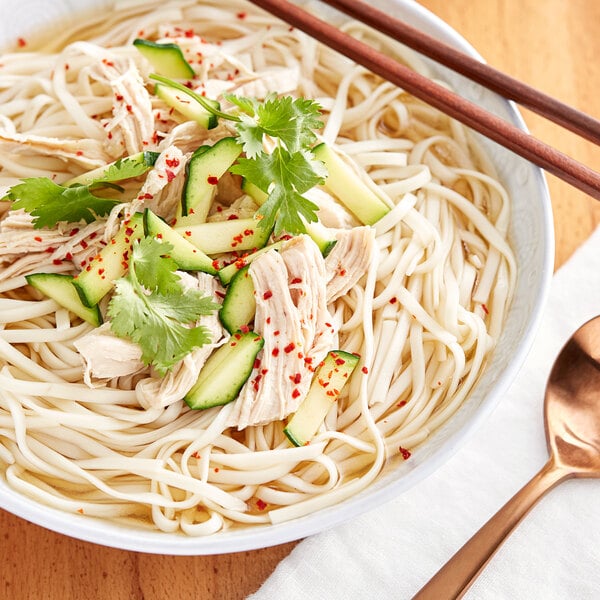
(19,242)
(292,317)
(85,152)
(349,260)
(131,128)
(106,356)
(243,208)
(161,191)
(161,391)
(331,213)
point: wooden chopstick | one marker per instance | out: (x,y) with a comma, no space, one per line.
(552,109)
(468,113)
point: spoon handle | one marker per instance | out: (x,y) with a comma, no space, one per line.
(457,575)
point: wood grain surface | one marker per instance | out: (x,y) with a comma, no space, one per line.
(552,45)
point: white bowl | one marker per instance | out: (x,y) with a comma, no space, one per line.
(531,236)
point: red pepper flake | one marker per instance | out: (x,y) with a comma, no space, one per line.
(100,271)
(22,42)
(256,364)
(216,469)
(401,404)
(170,175)
(67,68)
(276,332)
(308,360)
(172,162)
(296,280)
(124,264)
(80,511)
(242,15)
(212,180)
(109,135)
(342,272)
(268,320)
(219,294)
(215,264)
(340,361)
(268,294)
(485,309)
(297,378)
(296,393)
(196,455)
(189,33)
(69,256)
(93,235)
(405,453)
(331,393)
(57,261)
(74,231)
(232,217)
(237,336)
(83,244)
(289,348)
(244,329)
(188,233)
(393,300)
(365,370)
(261,504)
(108,63)
(248,232)
(275,352)
(37,238)
(300,355)
(264,371)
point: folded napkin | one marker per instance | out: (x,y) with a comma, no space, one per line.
(554,554)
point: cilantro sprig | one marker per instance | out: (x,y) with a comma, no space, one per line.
(291,169)
(50,203)
(151,308)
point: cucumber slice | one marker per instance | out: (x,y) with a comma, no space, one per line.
(350,190)
(206,166)
(239,305)
(186,255)
(226,236)
(327,384)
(227,273)
(98,277)
(225,372)
(59,287)
(317,232)
(187,106)
(144,159)
(167,59)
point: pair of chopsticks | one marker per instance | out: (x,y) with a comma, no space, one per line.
(468,113)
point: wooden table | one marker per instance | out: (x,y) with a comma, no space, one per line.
(553,45)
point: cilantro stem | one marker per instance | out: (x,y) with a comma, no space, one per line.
(200,99)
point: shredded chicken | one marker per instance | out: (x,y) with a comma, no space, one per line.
(331,213)
(26,247)
(349,260)
(85,152)
(292,317)
(106,356)
(162,391)
(161,191)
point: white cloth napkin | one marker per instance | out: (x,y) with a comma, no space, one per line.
(554,554)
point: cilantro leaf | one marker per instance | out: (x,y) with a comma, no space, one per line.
(50,203)
(291,120)
(284,176)
(155,312)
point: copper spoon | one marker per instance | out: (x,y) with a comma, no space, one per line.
(572,421)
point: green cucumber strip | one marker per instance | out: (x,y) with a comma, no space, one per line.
(204,169)
(59,287)
(326,387)
(188,107)
(239,305)
(217,237)
(225,372)
(146,159)
(166,59)
(348,188)
(185,254)
(98,277)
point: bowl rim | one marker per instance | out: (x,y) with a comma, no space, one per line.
(115,535)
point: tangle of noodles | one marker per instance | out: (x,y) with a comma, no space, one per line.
(424,317)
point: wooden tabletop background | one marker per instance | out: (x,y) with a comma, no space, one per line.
(553,45)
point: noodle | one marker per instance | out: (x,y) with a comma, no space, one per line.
(424,317)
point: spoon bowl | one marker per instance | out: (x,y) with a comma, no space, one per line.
(572,405)
(572,422)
